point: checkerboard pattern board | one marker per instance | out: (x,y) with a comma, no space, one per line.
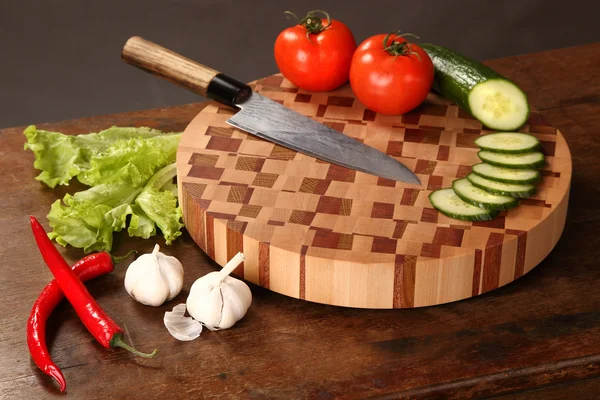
(324,233)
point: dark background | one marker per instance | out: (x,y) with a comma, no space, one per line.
(61,59)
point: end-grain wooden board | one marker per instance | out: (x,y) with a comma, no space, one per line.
(324,233)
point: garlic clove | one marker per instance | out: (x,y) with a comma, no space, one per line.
(236,301)
(180,327)
(172,272)
(133,273)
(241,290)
(152,289)
(205,302)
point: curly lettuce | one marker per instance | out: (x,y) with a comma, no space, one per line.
(61,157)
(130,172)
(160,205)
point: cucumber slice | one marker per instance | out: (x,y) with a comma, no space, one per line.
(506,189)
(499,104)
(491,98)
(449,204)
(532,160)
(506,175)
(508,142)
(480,198)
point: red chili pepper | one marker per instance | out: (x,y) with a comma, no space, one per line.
(97,322)
(89,267)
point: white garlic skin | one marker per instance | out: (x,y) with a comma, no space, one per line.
(218,305)
(152,279)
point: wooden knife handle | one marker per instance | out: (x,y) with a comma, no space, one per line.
(184,72)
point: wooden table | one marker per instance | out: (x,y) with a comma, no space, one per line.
(538,337)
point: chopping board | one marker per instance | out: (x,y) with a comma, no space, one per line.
(323,233)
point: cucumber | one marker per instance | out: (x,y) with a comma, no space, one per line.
(508,142)
(532,160)
(480,198)
(506,175)
(449,204)
(491,98)
(506,189)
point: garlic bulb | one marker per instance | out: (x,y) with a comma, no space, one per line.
(218,300)
(154,278)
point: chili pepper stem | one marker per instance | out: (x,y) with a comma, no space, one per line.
(117,341)
(118,259)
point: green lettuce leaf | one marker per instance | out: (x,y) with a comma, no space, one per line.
(161,205)
(171,187)
(140,224)
(131,161)
(88,219)
(80,225)
(130,172)
(61,157)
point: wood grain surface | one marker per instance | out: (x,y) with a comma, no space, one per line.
(329,234)
(538,337)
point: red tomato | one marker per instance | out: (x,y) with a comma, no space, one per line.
(391,80)
(315,55)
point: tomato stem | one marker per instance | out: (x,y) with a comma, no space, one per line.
(312,22)
(293,15)
(398,45)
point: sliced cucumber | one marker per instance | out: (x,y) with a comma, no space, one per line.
(494,100)
(499,104)
(480,198)
(508,142)
(506,175)
(449,204)
(506,189)
(532,160)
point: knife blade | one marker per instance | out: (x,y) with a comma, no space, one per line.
(263,117)
(270,120)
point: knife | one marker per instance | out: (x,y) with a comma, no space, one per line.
(262,116)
